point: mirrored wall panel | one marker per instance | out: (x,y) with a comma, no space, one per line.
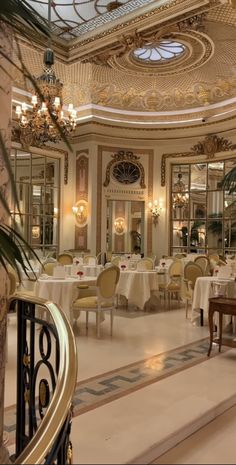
(125,226)
(203,216)
(38,187)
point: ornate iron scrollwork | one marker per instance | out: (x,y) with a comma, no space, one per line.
(125,168)
(37,353)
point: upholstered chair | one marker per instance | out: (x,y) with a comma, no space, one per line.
(172,285)
(49,267)
(204,263)
(116,260)
(192,271)
(103,301)
(146,262)
(180,255)
(87,258)
(65,258)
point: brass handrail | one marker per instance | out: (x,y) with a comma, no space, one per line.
(58,409)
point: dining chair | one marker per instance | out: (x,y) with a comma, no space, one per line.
(103,301)
(204,263)
(49,267)
(192,271)
(146,263)
(172,285)
(116,260)
(65,258)
(87,258)
(180,255)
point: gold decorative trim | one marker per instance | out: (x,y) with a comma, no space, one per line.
(99,199)
(211,145)
(81,229)
(126,44)
(123,155)
(150,198)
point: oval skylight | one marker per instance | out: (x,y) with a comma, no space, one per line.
(163,51)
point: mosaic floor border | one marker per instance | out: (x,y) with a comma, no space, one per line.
(107,387)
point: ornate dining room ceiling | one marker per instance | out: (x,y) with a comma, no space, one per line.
(72,18)
(170,62)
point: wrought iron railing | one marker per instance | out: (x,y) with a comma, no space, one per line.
(46,377)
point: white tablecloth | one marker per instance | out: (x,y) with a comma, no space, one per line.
(61,291)
(136,286)
(203,291)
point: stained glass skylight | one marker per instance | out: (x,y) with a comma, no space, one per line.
(162,51)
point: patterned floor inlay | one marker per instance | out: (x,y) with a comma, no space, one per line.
(95,392)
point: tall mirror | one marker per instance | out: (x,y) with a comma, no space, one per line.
(125,226)
(38,186)
(203,215)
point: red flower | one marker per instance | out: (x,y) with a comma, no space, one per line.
(80,273)
(123,267)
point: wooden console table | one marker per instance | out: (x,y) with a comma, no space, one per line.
(224,306)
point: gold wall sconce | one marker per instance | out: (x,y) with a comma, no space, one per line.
(119,225)
(155,208)
(35,232)
(80,212)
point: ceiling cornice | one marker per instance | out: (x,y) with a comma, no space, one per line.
(145,18)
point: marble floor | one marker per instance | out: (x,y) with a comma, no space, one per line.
(142,391)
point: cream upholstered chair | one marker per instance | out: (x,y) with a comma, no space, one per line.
(116,260)
(65,258)
(172,285)
(103,301)
(87,258)
(192,271)
(204,263)
(49,267)
(180,255)
(146,262)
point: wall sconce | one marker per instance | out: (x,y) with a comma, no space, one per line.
(155,210)
(35,232)
(119,226)
(80,212)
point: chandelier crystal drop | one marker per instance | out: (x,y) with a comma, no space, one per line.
(46,121)
(180,197)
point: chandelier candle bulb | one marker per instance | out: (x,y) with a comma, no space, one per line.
(18,110)
(34,100)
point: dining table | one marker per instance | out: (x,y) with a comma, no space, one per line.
(62,291)
(137,286)
(203,290)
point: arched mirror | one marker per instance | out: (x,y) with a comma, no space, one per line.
(125,226)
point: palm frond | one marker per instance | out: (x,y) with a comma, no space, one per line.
(19,14)
(13,250)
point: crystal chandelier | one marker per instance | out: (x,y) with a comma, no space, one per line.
(46,121)
(180,198)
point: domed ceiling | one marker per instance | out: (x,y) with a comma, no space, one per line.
(154,62)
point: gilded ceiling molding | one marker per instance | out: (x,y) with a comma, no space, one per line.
(108,94)
(211,145)
(125,44)
(177,5)
(127,156)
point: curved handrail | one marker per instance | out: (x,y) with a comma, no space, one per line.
(60,404)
